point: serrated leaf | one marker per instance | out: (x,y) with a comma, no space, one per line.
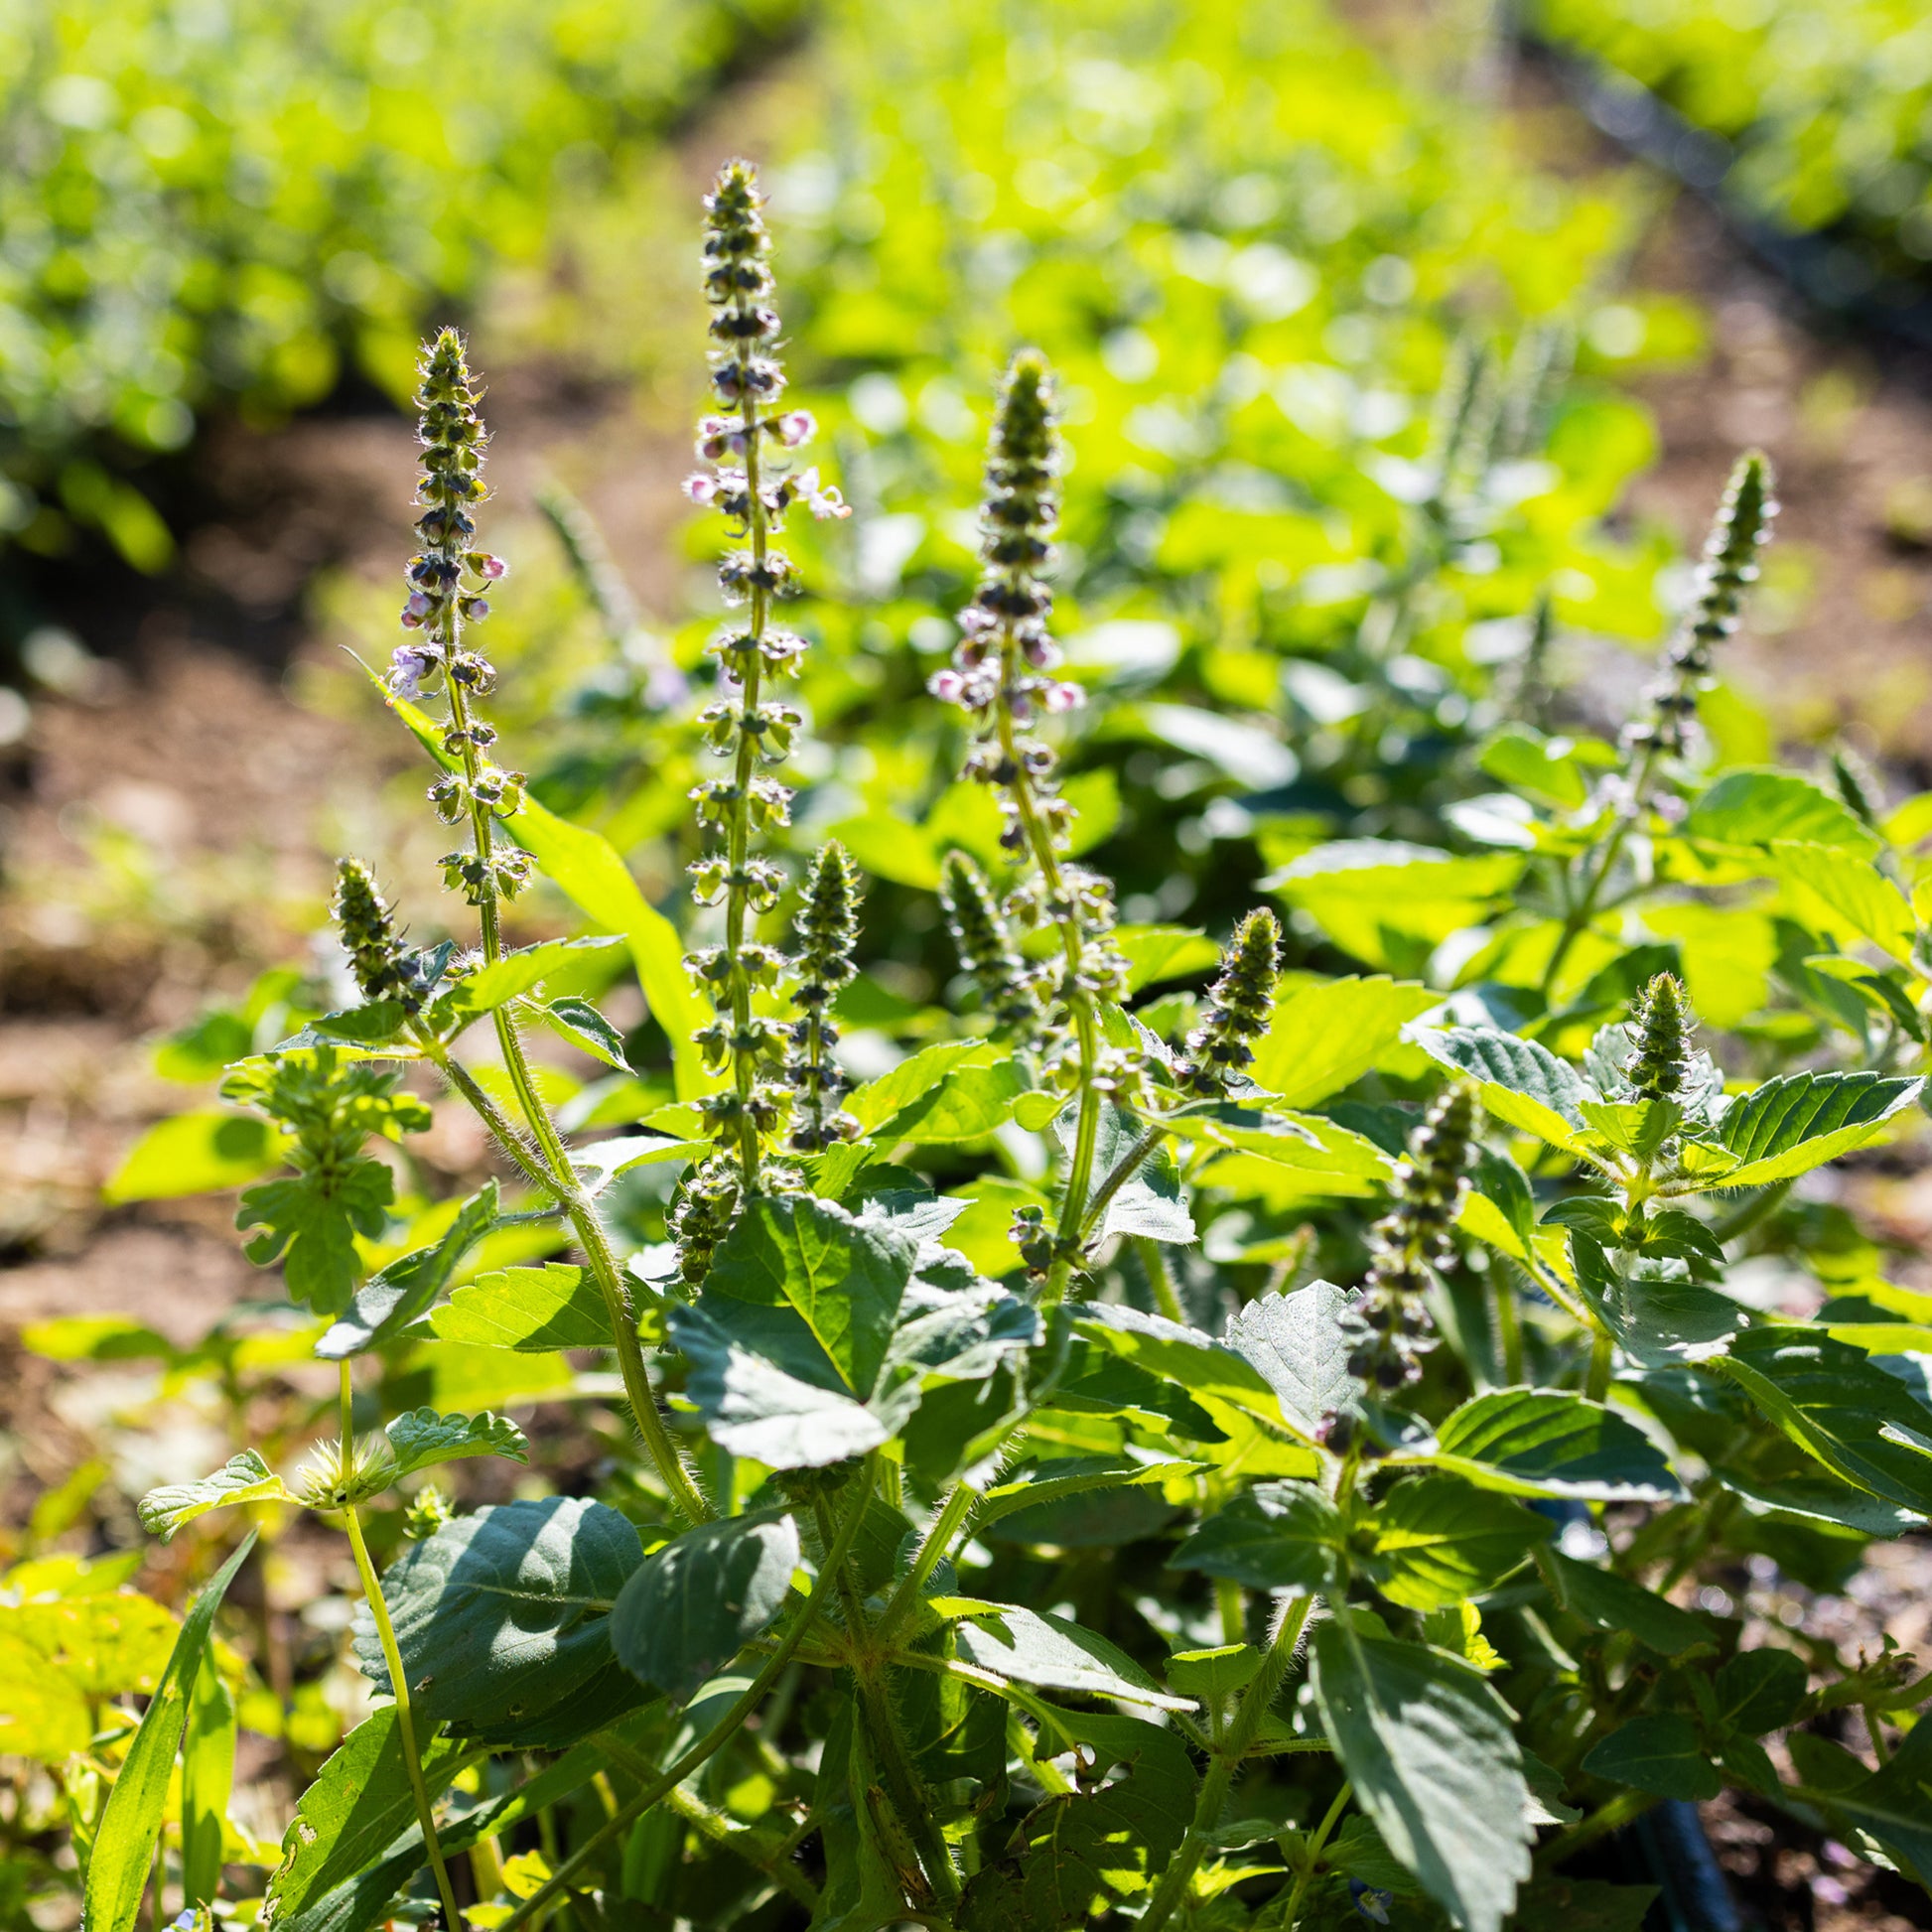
(532,1309)
(1761,807)
(507,979)
(1838,1405)
(1049,1652)
(1438,1541)
(1280,1536)
(308,1223)
(968,1103)
(355,1808)
(1428,1748)
(502,1614)
(758,1410)
(1800,1120)
(1324,1036)
(1207,1370)
(694,1604)
(1613,1603)
(422,1438)
(1521,1081)
(875,1102)
(1062,1479)
(402,1291)
(1549,1442)
(123,1853)
(579,1022)
(243,1479)
(1660,1754)
(1852,890)
(1149,1202)
(1296,1343)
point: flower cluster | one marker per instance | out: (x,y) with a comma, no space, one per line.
(1387,1330)
(384,968)
(985,947)
(749,485)
(1729,569)
(1239,1004)
(1660,1028)
(1000,678)
(448,580)
(828,930)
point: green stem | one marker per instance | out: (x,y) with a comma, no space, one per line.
(1123,1170)
(948,1524)
(1158,1279)
(1597,1383)
(1312,1852)
(1576,919)
(386,1631)
(717,1736)
(1509,1323)
(1610,1816)
(1256,1701)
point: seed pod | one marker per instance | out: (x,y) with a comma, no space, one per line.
(1661,1029)
(986,950)
(1239,1004)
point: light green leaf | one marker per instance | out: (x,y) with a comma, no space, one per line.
(243,1479)
(1428,1748)
(1280,1536)
(102,1646)
(694,1604)
(878,1101)
(1324,1036)
(1522,1083)
(359,1803)
(1049,1652)
(1163,952)
(208,1754)
(1660,1754)
(1440,1541)
(196,1154)
(123,1854)
(587,1029)
(968,1103)
(1549,1442)
(1529,763)
(533,1310)
(1207,1370)
(1761,807)
(502,1614)
(1800,1120)
(507,979)
(1296,1343)
(399,1292)
(422,1438)
(41,1714)
(1611,1603)
(1852,890)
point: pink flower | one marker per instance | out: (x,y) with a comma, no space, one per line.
(947,686)
(701,490)
(822,500)
(417,609)
(407,669)
(794,427)
(1062,697)
(486,566)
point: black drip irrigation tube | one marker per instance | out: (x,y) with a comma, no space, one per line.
(1831,269)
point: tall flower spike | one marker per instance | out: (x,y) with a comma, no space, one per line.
(384,968)
(1239,1003)
(749,484)
(985,947)
(1728,569)
(1001,677)
(1661,1029)
(828,930)
(449,580)
(1388,1329)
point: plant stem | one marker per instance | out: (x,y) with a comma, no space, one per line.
(718,1735)
(1123,1170)
(1159,1280)
(386,1631)
(1576,919)
(1256,1701)
(1311,1851)
(1509,1323)
(1597,1383)
(1610,1816)
(951,1518)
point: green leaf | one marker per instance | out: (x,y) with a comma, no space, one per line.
(1558,1904)
(1149,1202)
(401,1292)
(1216,1673)
(1111,1838)
(208,1756)
(534,1309)
(756,1410)
(1853,891)
(243,1479)
(1543,767)
(422,1438)
(1296,1343)
(1896,1803)
(913,1079)
(1428,1748)
(1438,1541)
(1838,1405)
(1325,1035)
(587,1029)
(1209,1371)
(1522,1083)
(844,1273)
(502,1614)
(308,1223)
(1660,1754)
(41,1714)
(123,1853)
(506,979)
(1280,1535)
(1608,1601)
(1548,1442)
(970,1102)
(1761,807)
(1049,1652)
(1062,1479)
(359,1803)
(1163,952)
(1800,1120)
(196,1154)
(694,1604)
(103,1646)
(1761,1690)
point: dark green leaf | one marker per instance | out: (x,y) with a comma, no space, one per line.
(1660,1754)
(1216,1673)
(422,1438)
(1440,1541)
(1209,1371)
(1611,1603)
(406,1287)
(1761,1690)
(1548,1442)
(308,1222)
(1558,1904)
(1522,1083)
(1800,1120)
(694,1604)
(1049,1652)
(1283,1536)
(586,1029)
(1428,1748)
